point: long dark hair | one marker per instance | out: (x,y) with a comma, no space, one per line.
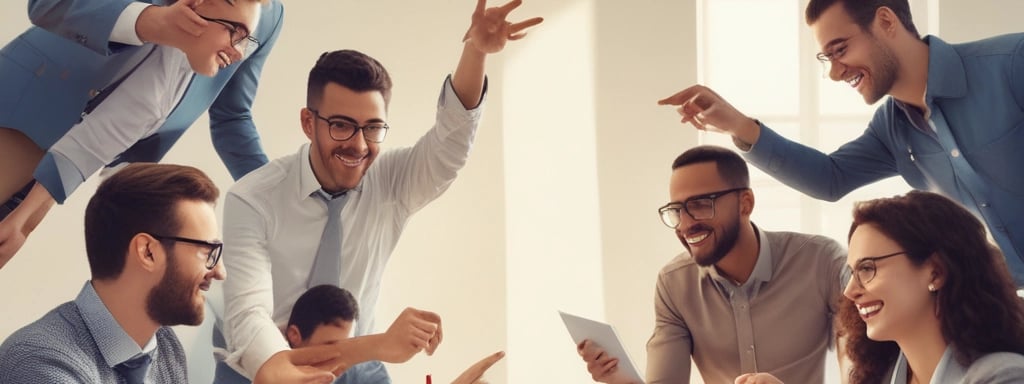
(979,310)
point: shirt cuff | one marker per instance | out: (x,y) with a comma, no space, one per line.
(58,175)
(266,343)
(124,28)
(451,111)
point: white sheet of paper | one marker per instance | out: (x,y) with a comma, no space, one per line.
(581,328)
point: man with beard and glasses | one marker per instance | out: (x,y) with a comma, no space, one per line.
(151,241)
(333,212)
(953,123)
(740,299)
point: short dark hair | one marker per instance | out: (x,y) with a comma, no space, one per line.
(348,68)
(141,198)
(980,312)
(731,166)
(322,304)
(863,11)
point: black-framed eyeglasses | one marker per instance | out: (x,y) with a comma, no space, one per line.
(866,268)
(698,207)
(239,32)
(342,129)
(212,258)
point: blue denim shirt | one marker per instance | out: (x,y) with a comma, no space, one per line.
(968,149)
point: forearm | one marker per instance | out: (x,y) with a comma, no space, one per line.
(30,213)
(468,79)
(746,136)
(822,176)
(361,349)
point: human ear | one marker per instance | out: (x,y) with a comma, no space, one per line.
(308,121)
(145,251)
(294,336)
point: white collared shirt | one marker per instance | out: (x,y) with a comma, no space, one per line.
(272,229)
(134,110)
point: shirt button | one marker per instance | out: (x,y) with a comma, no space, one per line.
(955,152)
(984,205)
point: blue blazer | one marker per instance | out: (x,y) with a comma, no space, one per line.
(54,68)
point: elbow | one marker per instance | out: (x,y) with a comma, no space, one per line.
(37,11)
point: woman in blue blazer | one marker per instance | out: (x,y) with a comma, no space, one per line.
(67,64)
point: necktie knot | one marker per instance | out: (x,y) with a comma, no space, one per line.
(134,370)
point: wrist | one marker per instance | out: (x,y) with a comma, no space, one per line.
(144,24)
(747,137)
(365,348)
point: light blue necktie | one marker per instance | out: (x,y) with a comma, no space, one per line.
(327,265)
(134,371)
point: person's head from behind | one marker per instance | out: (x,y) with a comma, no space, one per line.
(227,36)
(922,266)
(858,41)
(710,199)
(345,117)
(152,228)
(322,315)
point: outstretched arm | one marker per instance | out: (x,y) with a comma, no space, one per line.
(488,33)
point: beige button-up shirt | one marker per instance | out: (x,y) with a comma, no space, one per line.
(779,321)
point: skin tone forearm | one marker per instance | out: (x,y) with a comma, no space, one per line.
(35,207)
(468,79)
(23,220)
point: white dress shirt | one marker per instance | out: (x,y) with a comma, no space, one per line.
(273,225)
(133,111)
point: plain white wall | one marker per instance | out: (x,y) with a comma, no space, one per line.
(556,206)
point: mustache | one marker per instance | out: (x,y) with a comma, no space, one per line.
(699,227)
(350,153)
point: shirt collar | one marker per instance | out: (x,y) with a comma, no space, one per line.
(762,272)
(113,342)
(308,185)
(947,77)
(948,370)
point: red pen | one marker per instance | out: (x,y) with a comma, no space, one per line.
(428,379)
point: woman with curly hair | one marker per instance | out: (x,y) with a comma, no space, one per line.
(930,300)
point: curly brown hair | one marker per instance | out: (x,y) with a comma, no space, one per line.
(980,311)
